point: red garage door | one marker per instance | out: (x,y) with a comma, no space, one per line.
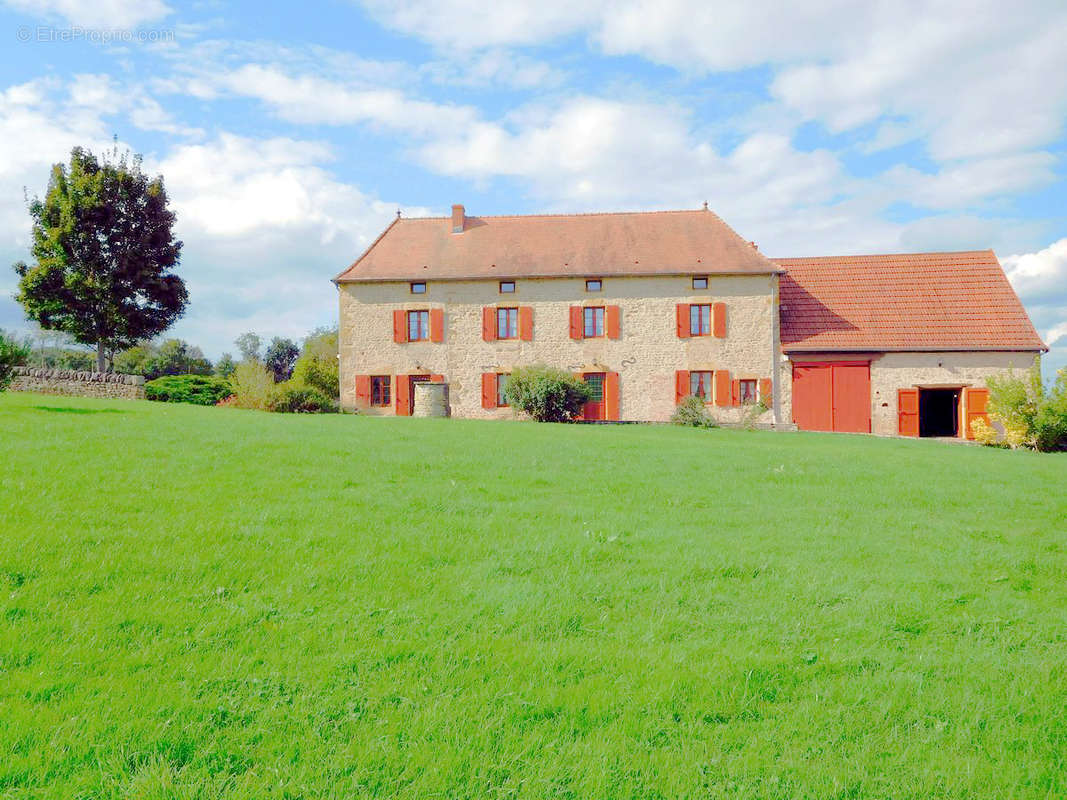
(832,396)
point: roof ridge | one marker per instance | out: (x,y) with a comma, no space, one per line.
(885,255)
(575,214)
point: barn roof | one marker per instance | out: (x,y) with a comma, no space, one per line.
(557,245)
(914,301)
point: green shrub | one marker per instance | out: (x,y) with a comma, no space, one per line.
(1027,414)
(298,398)
(12,354)
(692,412)
(547,394)
(253,385)
(202,390)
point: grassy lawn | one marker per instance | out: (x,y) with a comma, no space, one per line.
(212,603)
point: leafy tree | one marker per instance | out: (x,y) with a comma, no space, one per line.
(317,365)
(1026,413)
(249,345)
(225,366)
(171,357)
(12,354)
(281,355)
(547,394)
(176,357)
(104,252)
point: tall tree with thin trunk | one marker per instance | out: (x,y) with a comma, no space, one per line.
(105,253)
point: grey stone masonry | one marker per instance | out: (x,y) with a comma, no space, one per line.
(78,384)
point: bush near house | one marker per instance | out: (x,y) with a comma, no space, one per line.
(295,397)
(252,385)
(1024,413)
(317,365)
(201,390)
(547,394)
(692,412)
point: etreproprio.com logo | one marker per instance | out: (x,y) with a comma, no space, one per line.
(76,33)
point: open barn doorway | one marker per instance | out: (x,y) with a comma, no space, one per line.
(939,412)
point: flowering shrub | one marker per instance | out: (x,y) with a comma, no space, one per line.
(1027,414)
(693,413)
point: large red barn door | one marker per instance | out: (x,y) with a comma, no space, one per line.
(812,390)
(832,396)
(852,398)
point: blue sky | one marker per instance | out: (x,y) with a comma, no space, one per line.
(288,137)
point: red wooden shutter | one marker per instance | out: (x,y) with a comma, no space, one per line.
(683,321)
(722,387)
(681,385)
(735,393)
(718,313)
(437,325)
(611,395)
(908,412)
(437,379)
(975,400)
(611,323)
(400,326)
(403,396)
(765,392)
(577,330)
(363,390)
(488,390)
(526,323)
(489,324)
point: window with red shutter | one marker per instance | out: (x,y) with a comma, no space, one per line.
(437,325)
(526,323)
(363,390)
(611,321)
(681,385)
(489,324)
(682,320)
(488,390)
(611,395)
(400,327)
(700,385)
(719,313)
(722,388)
(765,392)
(576,322)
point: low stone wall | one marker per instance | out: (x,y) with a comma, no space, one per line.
(78,384)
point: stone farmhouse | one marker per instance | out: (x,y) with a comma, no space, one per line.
(651,307)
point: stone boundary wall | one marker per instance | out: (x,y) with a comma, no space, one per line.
(78,384)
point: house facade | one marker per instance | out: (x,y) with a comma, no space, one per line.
(648,308)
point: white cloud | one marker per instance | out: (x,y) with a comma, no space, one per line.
(962,184)
(1041,276)
(98,14)
(968,76)
(311,99)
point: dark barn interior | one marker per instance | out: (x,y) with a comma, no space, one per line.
(939,412)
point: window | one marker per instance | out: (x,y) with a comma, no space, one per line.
(419,287)
(595,382)
(379,390)
(507,287)
(418,326)
(593,285)
(700,282)
(501,387)
(700,385)
(747,391)
(507,323)
(594,322)
(700,320)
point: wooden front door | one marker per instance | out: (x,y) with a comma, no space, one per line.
(594,409)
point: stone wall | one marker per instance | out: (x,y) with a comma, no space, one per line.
(646,355)
(79,384)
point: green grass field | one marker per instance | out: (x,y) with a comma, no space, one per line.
(213,603)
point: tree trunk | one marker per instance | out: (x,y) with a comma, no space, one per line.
(99,356)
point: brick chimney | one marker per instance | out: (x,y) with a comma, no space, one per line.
(459,217)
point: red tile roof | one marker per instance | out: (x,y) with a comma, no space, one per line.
(557,245)
(917,301)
